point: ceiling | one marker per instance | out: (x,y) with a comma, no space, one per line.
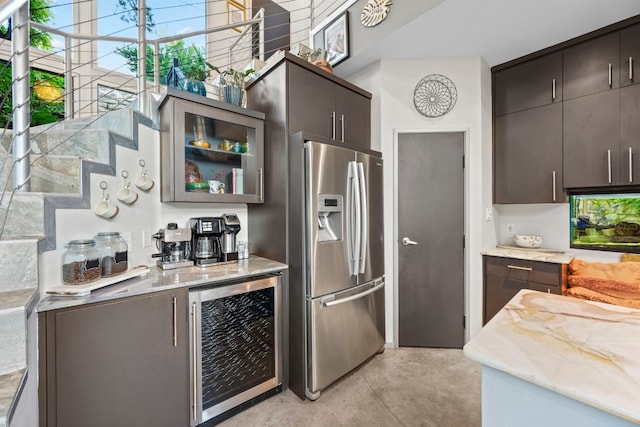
(497,30)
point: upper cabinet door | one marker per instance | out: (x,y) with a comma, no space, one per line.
(311,103)
(353,117)
(591,140)
(592,66)
(528,156)
(630,55)
(531,84)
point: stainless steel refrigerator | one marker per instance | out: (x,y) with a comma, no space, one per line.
(323,216)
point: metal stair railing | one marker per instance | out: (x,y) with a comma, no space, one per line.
(18,11)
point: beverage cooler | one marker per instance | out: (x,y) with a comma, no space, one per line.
(235,343)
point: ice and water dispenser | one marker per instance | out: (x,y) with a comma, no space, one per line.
(329,217)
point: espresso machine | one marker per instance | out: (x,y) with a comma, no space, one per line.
(231,229)
(174,244)
(206,240)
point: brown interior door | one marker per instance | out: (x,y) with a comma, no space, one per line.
(431,215)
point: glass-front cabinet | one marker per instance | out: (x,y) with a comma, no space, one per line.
(211,151)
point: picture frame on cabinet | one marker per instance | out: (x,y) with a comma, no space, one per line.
(335,38)
(236,13)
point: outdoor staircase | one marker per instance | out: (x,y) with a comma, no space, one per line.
(59,180)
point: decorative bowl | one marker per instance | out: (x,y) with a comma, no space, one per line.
(528,241)
(202,187)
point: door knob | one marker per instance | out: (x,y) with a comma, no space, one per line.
(406,241)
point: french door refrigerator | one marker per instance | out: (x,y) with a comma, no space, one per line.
(323,217)
(345,273)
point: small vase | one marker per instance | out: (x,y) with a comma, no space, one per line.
(233,95)
(195,86)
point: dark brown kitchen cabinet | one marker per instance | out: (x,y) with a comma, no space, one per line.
(531,84)
(528,156)
(591,139)
(528,131)
(630,135)
(505,277)
(117,363)
(591,66)
(316,102)
(325,108)
(630,55)
(601,144)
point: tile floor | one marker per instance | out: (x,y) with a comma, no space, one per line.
(400,387)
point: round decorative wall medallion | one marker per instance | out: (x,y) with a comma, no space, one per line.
(374,12)
(435,95)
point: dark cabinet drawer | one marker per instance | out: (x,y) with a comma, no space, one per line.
(528,271)
(505,277)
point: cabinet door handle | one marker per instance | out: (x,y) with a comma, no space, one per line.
(553,89)
(175,322)
(333,125)
(610,75)
(194,360)
(342,127)
(609,164)
(517,267)
(630,164)
(631,68)
(261,184)
(553,182)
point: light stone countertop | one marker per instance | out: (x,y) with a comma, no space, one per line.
(585,350)
(557,257)
(162,280)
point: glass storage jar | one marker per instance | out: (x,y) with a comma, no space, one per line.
(81,262)
(113,253)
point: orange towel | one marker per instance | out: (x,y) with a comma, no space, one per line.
(631,300)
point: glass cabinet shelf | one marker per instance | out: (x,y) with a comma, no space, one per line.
(211,151)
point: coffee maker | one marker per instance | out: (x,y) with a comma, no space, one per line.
(174,246)
(231,229)
(206,240)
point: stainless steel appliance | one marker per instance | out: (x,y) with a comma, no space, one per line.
(324,218)
(207,240)
(235,344)
(231,229)
(174,244)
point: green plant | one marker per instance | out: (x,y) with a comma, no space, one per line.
(230,76)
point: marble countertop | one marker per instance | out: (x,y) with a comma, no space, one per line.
(545,255)
(161,280)
(584,350)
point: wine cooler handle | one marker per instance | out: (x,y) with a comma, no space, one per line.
(194,361)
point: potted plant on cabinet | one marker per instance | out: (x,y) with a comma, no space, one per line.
(232,83)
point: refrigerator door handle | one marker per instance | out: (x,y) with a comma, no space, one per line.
(353,215)
(363,215)
(353,297)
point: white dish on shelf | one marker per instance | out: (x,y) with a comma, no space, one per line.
(527,241)
(86,288)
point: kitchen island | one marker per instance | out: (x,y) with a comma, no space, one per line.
(553,360)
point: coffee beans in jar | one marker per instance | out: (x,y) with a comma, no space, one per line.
(81,262)
(113,253)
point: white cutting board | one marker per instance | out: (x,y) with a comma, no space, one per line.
(86,288)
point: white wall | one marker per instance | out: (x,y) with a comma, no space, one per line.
(392,83)
(148,213)
(551,221)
